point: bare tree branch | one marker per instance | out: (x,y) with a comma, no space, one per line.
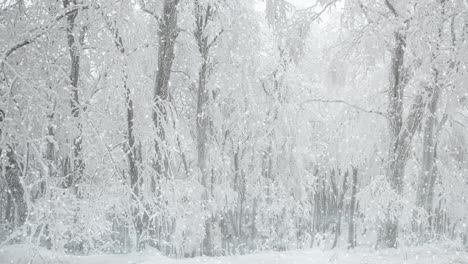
(391,7)
(146,10)
(38,32)
(345,103)
(317,14)
(215,39)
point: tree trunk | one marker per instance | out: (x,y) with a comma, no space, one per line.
(50,150)
(202,124)
(425,191)
(352,211)
(428,174)
(135,182)
(131,153)
(202,130)
(204,15)
(401,135)
(339,207)
(76,164)
(16,210)
(76,174)
(168,33)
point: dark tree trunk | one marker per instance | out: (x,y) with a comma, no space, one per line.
(75,165)
(135,182)
(131,150)
(401,133)
(168,33)
(75,175)
(16,211)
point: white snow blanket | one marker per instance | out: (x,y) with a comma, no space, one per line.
(22,254)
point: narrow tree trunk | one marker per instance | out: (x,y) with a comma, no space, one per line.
(425,191)
(167,35)
(16,209)
(51,172)
(76,174)
(203,15)
(50,150)
(239,187)
(75,166)
(352,211)
(339,207)
(135,182)
(202,124)
(202,130)
(131,153)
(428,174)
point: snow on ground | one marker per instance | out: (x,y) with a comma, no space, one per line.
(19,254)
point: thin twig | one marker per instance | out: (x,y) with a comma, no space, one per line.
(41,31)
(345,103)
(215,39)
(146,10)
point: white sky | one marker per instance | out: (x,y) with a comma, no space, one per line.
(260,5)
(302,3)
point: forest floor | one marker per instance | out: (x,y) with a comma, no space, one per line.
(431,254)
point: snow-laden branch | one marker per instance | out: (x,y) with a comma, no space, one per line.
(338,101)
(391,7)
(38,32)
(149,12)
(316,15)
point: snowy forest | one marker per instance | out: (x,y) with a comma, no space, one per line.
(228,127)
